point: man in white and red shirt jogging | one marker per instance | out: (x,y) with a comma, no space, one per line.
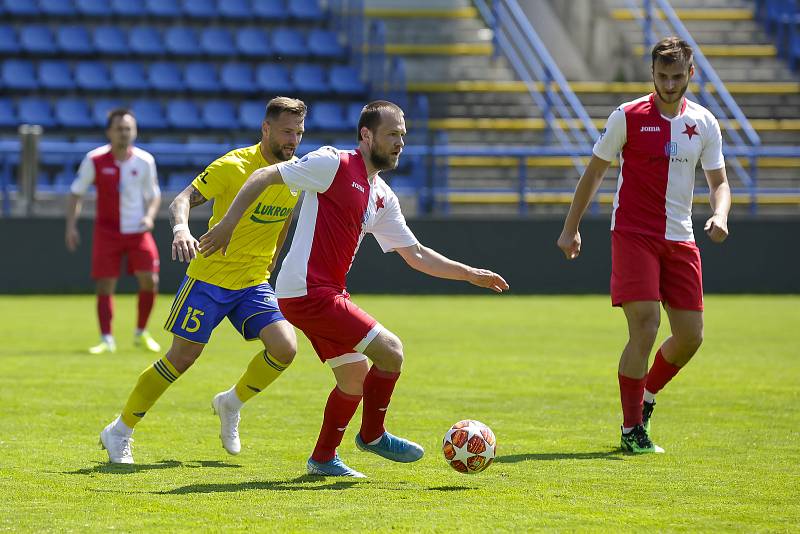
(128,197)
(345,199)
(660,138)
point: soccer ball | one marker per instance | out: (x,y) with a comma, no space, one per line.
(469,446)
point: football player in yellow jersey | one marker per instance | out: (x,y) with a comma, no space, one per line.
(234,286)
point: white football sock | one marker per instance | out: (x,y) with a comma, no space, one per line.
(649,397)
(232,399)
(121,428)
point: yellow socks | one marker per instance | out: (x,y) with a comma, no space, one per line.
(152,383)
(262,371)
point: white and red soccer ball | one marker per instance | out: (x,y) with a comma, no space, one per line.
(469,446)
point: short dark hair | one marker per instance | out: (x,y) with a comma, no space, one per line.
(672,50)
(371,114)
(281,104)
(117,112)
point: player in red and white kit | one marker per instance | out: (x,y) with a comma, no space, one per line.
(128,197)
(660,138)
(345,199)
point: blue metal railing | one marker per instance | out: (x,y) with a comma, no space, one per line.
(516,38)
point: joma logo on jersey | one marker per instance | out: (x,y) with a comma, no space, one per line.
(269,211)
(650,129)
(359,187)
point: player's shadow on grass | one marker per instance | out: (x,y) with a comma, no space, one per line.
(123,469)
(611,454)
(300,483)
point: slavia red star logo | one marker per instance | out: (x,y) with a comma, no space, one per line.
(690,130)
(379,203)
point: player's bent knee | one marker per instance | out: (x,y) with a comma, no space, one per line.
(284,354)
(182,354)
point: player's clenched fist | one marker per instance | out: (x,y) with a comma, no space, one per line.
(570,244)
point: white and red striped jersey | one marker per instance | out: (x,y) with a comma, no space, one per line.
(658,158)
(340,206)
(123,187)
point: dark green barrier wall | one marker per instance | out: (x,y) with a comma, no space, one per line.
(761,256)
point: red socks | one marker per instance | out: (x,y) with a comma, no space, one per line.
(631,392)
(660,373)
(378,387)
(105,310)
(145,305)
(338,412)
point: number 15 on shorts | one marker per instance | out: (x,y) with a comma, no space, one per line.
(191,321)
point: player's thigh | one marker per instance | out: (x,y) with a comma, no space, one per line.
(635,268)
(643,317)
(682,276)
(142,253)
(686,326)
(197,310)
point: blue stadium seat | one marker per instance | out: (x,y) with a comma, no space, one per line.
(270,10)
(178,181)
(145,41)
(325,44)
(345,81)
(253,42)
(9,44)
(238,78)
(274,78)
(19,74)
(166,76)
(129,76)
(44,183)
(149,114)
(200,9)
(217,42)
(93,75)
(56,75)
(57,8)
(165,9)
(35,111)
(305,10)
(220,115)
(100,109)
(37,39)
(201,78)
(19,8)
(181,41)
(288,42)
(73,113)
(111,41)
(327,116)
(8,117)
(235,9)
(94,8)
(251,114)
(129,9)
(183,114)
(62,181)
(74,40)
(310,79)
(353,114)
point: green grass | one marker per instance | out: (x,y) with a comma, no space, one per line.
(541,371)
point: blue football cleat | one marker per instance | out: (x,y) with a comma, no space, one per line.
(393,448)
(333,468)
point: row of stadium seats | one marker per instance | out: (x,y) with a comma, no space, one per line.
(197,77)
(76,113)
(179,41)
(236,10)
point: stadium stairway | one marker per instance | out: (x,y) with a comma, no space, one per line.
(477,100)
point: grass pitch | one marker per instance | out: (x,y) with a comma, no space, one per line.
(541,371)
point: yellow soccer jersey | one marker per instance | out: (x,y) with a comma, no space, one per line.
(253,244)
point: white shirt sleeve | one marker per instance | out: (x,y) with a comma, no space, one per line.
(313,172)
(389,226)
(613,137)
(85,177)
(711,157)
(150,188)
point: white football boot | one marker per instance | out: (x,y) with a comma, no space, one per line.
(228,423)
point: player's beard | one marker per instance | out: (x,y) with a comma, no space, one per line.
(280,152)
(382,161)
(674,99)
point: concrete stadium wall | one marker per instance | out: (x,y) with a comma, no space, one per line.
(761,256)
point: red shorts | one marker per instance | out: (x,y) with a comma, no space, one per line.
(109,247)
(335,326)
(645,268)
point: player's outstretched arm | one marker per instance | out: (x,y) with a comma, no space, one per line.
(720,196)
(184,245)
(570,239)
(220,235)
(428,261)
